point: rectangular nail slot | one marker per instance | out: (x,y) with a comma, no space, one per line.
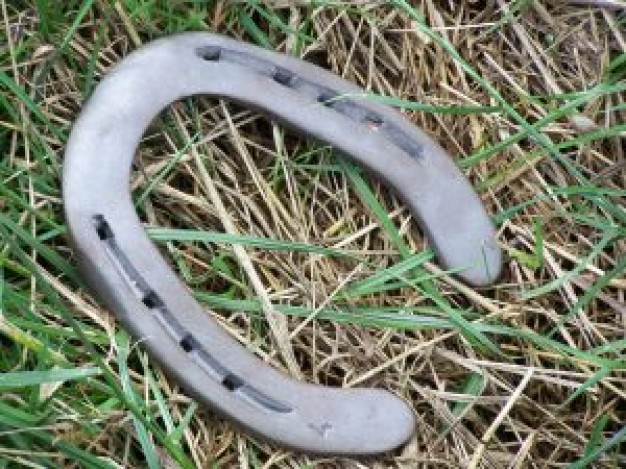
(102,228)
(121,263)
(282,76)
(188,343)
(232,382)
(209,53)
(328,98)
(152,300)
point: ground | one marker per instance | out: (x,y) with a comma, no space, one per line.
(527,96)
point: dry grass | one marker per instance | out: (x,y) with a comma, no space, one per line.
(496,85)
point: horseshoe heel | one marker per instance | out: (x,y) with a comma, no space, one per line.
(128,273)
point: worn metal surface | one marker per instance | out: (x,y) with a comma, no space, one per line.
(128,273)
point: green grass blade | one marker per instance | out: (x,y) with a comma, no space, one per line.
(598,451)
(18,379)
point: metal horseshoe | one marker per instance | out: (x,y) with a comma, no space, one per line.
(127,272)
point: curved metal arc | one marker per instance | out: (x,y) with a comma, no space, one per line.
(129,274)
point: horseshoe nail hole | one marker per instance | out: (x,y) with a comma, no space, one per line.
(187,343)
(282,76)
(152,300)
(373,121)
(232,382)
(209,53)
(103,229)
(327,98)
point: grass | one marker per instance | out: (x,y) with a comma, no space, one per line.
(530,99)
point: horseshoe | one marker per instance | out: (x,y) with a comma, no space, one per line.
(127,272)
